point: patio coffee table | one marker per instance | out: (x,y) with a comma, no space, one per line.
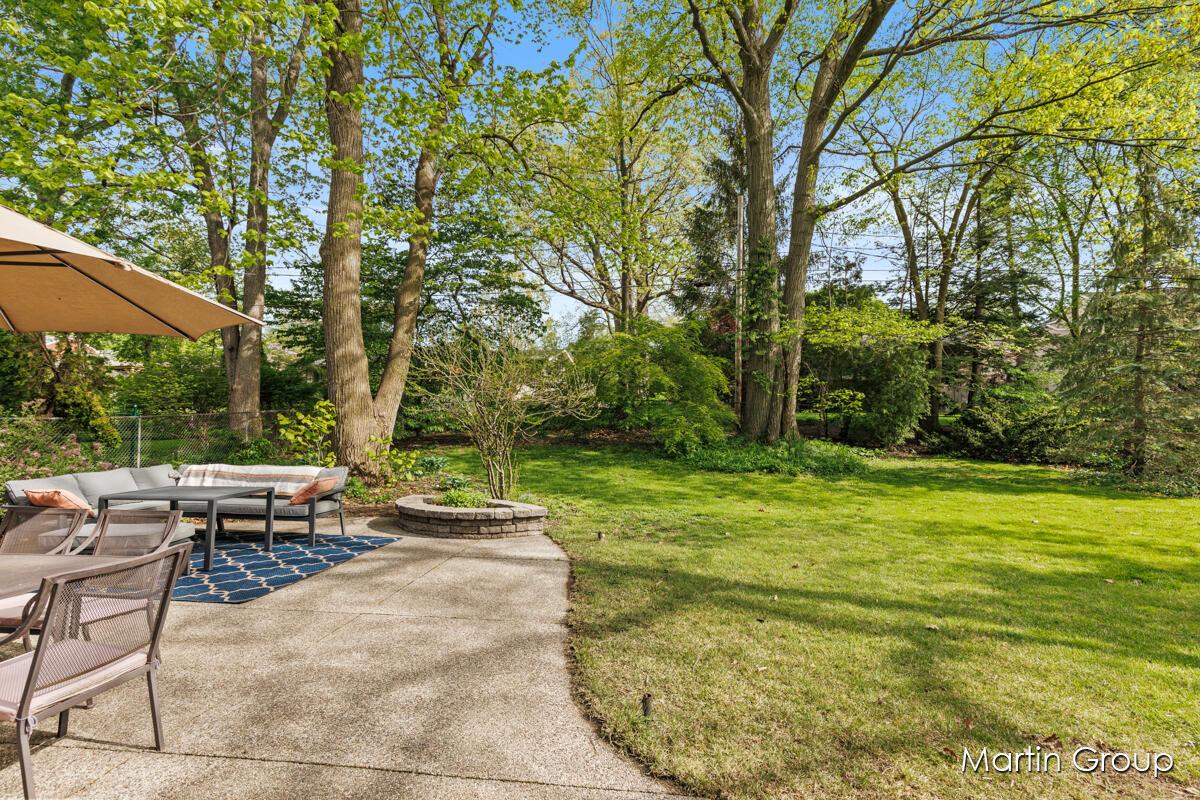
(212,495)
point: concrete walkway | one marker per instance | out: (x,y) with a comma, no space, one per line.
(428,669)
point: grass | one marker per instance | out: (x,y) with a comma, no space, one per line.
(803,637)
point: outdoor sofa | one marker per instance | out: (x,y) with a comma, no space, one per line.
(91,486)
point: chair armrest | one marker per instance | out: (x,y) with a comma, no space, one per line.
(68,550)
(30,617)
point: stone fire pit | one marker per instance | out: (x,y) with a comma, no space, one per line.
(418,513)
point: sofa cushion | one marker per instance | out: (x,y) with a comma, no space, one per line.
(153,477)
(16,489)
(141,505)
(111,481)
(257,507)
(186,530)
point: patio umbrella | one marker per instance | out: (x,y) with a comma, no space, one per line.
(50,281)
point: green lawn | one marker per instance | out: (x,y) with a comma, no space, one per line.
(812,638)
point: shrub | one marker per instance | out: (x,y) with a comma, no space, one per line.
(179,379)
(359,491)
(306,436)
(870,360)
(394,464)
(1018,428)
(789,457)
(655,378)
(33,446)
(254,451)
(431,465)
(501,390)
(463,498)
(453,482)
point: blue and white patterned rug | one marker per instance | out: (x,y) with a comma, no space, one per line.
(242,571)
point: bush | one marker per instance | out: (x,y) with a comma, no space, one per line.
(499,391)
(431,465)
(873,356)
(793,457)
(306,437)
(463,498)
(372,495)
(453,482)
(655,378)
(254,451)
(1019,428)
(177,380)
(34,447)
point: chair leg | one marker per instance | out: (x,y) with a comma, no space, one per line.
(341,518)
(64,719)
(152,680)
(28,642)
(312,529)
(220,526)
(26,761)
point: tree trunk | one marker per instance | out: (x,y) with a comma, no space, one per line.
(347,370)
(973,388)
(245,379)
(408,295)
(937,347)
(215,229)
(1138,435)
(837,61)
(803,227)
(760,414)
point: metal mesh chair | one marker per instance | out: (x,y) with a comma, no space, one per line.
(77,659)
(116,533)
(133,533)
(32,529)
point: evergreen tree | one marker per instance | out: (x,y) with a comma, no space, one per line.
(1131,373)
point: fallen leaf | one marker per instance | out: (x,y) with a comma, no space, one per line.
(760,619)
(774,597)
(795,566)
(1108,580)
(968,723)
(763,510)
(1137,581)
(760,669)
(948,751)
(1051,741)
(932,627)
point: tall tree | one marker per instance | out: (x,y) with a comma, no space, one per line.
(233,97)
(1131,377)
(603,210)
(999,84)
(747,77)
(445,105)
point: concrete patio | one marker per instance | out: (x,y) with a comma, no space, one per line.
(428,668)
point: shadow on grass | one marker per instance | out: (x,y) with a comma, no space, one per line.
(1061,621)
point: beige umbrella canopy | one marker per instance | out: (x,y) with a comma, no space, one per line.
(50,281)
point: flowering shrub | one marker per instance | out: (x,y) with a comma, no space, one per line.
(32,446)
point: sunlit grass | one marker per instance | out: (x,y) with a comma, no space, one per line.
(802,637)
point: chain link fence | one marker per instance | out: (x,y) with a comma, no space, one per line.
(146,439)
